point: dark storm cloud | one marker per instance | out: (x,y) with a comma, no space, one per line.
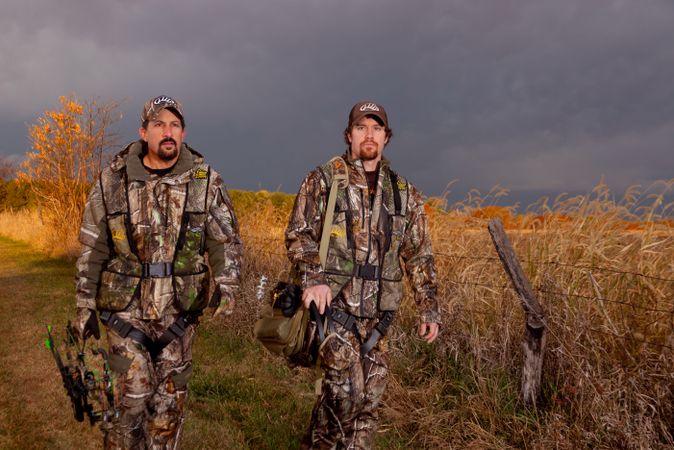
(534,95)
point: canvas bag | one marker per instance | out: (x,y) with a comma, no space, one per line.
(295,337)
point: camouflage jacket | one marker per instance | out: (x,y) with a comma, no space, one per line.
(368,239)
(143,238)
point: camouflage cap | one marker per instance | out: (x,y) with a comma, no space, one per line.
(154,106)
(367,108)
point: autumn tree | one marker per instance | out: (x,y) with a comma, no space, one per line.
(68,147)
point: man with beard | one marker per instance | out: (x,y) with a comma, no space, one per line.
(149,220)
(379,225)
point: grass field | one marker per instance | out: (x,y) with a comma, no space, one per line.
(240,397)
(603,271)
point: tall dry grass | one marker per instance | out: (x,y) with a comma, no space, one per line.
(604,273)
(29,226)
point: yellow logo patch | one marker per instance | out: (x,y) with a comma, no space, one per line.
(336,231)
(200,174)
(118,235)
(401,185)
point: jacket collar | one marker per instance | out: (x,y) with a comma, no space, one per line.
(136,171)
(357,164)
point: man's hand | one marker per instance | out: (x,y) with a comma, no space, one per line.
(86,324)
(319,294)
(223,309)
(428,331)
(221,305)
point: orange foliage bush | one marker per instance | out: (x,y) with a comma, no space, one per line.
(68,147)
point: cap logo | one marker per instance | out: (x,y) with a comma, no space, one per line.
(164,99)
(369,107)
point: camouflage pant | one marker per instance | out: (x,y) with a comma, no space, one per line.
(345,415)
(150,395)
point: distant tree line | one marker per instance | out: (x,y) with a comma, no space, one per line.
(13,193)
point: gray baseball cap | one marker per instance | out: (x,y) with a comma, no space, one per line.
(154,106)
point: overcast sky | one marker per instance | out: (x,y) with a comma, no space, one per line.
(539,96)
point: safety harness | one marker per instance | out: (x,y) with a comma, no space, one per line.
(125,330)
(369,272)
(348,321)
(195,202)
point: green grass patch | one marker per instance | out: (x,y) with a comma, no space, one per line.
(235,383)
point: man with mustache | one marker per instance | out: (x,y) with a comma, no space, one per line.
(379,227)
(156,210)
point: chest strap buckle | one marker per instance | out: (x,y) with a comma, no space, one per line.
(368,272)
(157,270)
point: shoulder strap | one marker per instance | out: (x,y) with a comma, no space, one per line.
(197,189)
(196,201)
(115,195)
(396,191)
(337,176)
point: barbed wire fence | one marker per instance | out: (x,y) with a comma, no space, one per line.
(265,244)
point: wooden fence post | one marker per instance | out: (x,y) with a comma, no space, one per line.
(533,343)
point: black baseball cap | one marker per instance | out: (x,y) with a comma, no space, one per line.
(367,108)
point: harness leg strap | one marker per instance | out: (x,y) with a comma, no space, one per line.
(125,330)
(349,322)
(344,319)
(379,330)
(175,331)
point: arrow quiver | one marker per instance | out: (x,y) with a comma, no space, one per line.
(88,384)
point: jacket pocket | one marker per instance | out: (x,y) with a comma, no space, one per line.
(116,290)
(190,242)
(192,291)
(339,244)
(391,294)
(117,223)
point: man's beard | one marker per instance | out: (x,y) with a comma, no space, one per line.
(167,155)
(368,154)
